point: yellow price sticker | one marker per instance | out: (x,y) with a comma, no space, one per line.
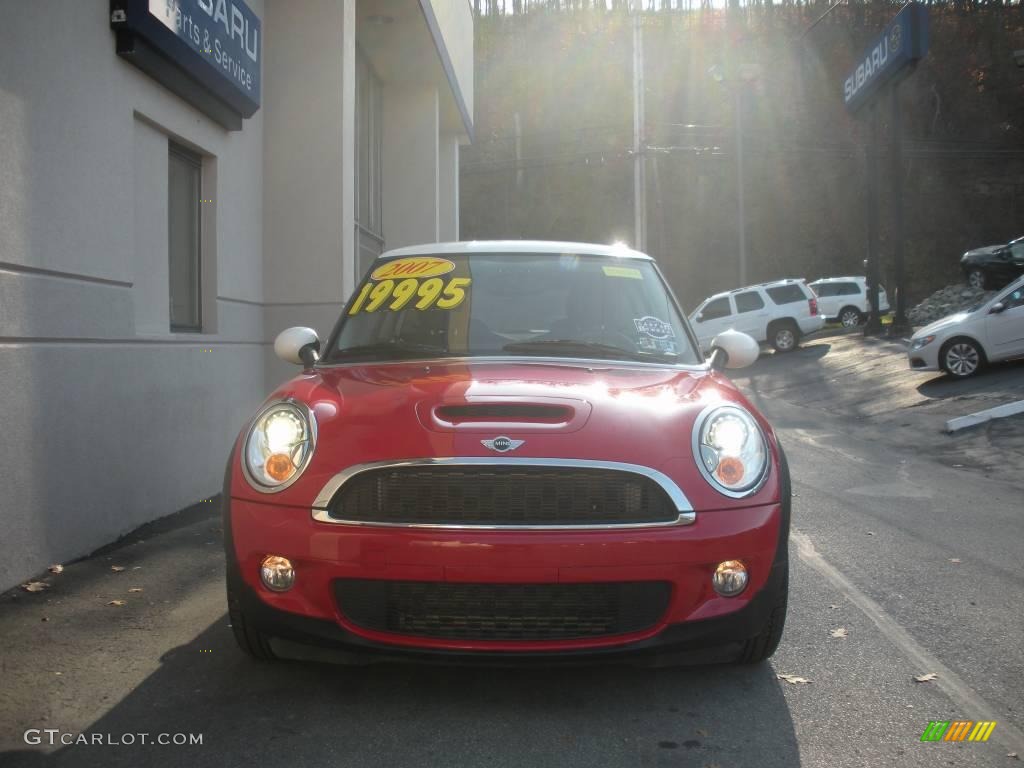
(630,272)
(396,295)
(414,266)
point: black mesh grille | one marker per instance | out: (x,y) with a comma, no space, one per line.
(502,496)
(503,611)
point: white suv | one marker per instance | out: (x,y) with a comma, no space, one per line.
(778,313)
(846,299)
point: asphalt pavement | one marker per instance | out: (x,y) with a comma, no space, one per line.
(918,561)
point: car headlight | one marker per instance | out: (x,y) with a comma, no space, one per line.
(730,450)
(924,341)
(279,445)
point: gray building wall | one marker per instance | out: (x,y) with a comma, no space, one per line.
(109,419)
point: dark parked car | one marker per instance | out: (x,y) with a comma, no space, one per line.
(994,266)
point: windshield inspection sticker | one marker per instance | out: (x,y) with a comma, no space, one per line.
(653,327)
(415,266)
(629,272)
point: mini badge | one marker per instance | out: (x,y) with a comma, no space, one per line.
(502,444)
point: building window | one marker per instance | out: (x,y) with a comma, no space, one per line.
(369,231)
(184,187)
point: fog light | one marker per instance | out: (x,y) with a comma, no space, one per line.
(730,578)
(277,573)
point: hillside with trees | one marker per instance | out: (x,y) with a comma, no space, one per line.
(553,156)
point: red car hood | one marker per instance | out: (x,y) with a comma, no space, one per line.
(389,411)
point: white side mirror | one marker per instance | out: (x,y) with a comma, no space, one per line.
(298,345)
(739,349)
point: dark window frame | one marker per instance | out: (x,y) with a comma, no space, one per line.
(194,160)
(703,313)
(777,294)
(744,295)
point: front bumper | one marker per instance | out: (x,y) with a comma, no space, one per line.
(924,359)
(708,640)
(684,556)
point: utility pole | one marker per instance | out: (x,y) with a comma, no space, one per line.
(899,323)
(742,224)
(737,80)
(874,321)
(639,139)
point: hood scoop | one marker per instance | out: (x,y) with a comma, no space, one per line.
(504,412)
(486,414)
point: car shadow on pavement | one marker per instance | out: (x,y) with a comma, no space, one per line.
(997,378)
(294,714)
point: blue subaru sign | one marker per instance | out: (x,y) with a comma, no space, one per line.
(890,55)
(207,51)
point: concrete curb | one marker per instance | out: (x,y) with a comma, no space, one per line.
(973,419)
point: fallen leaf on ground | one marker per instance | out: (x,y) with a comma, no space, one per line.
(833,607)
(58,673)
(118,603)
(137,567)
(1014,755)
(794,679)
(135,589)
(871,533)
(35,586)
(841,632)
(954,559)
(701,732)
(45,618)
(56,568)
(117,568)
(926,678)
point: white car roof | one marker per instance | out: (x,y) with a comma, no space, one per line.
(769,284)
(839,280)
(515,247)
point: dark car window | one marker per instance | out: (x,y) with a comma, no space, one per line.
(1017,249)
(1014,299)
(748,302)
(716,309)
(786,294)
(848,289)
(825,289)
(520,304)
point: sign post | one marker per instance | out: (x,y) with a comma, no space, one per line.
(887,60)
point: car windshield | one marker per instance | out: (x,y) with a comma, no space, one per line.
(512,304)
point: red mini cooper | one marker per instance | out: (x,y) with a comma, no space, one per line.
(509,451)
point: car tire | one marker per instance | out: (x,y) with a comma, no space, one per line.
(976,279)
(762,645)
(961,357)
(850,317)
(250,639)
(784,336)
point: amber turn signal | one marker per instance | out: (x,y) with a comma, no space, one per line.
(279,466)
(730,470)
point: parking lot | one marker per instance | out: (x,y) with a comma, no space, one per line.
(862,386)
(900,568)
